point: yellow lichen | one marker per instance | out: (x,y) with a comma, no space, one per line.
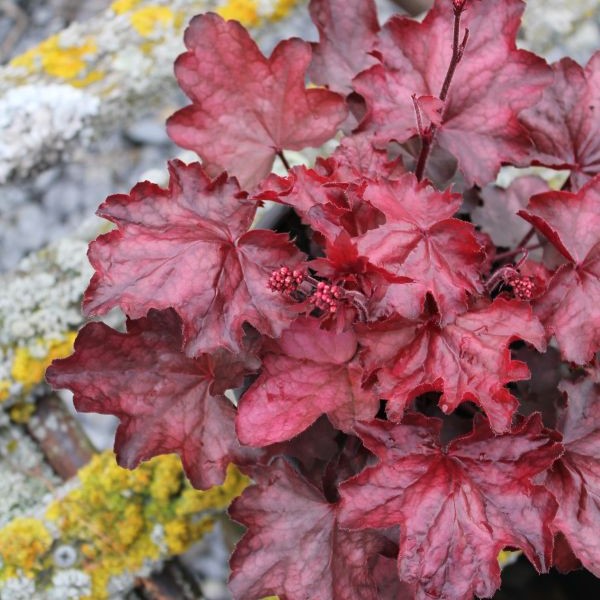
(88,79)
(219,497)
(4,389)
(21,412)
(111,519)
(123,6)
(116,511)
(65,62)
(23,543)
(146,20)
(247,11)
(167,478)
(29,370)
(244,11)
(282,9)
(58,60)
(28,60)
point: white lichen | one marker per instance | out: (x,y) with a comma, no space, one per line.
(92,77)
(18,588)
(69,584)
(555,28)
(37,122)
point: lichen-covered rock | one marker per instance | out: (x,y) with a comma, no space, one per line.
(95,75)
(40,313)
(100,531)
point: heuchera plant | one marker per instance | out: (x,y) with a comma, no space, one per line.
(397,396)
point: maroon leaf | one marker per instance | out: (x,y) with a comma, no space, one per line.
(498,215)
(493,82)
(467,360)
(309,372)
(570,308)
(565,123)
(163,399)
(329,198)
(347,33)
(312,450)
(575,478)
(563,558)
(247,108)
(357,157)
(294,546)
(421,241)
(457,506)
(344,264)
(307,190)
(388,584)
(185,248)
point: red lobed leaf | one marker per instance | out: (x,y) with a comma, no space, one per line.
(457,506)
(347,33)
(164,400)
(247,108)
(492,83)
(356,157)
(294,546)
(309,372)
(569,309)
(422,241)
(185,248)
(466,360)
(565,123)
(575,478)
(328,197)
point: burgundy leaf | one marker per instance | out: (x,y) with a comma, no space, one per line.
(563,558)
(422,241)
(388,584)
(498,215)
(357,157)
(312,450)
(565,123)
(492,83)
(185,248)
(342,263)
(294,546)
(457,506)
(328,197)
(575,478)
(306,190)
(309,372)
(347,33)
(163,399)
(247,108)
(467,360)
(570,308)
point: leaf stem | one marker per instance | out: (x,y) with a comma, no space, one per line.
(526,238)
(418,115)
(458,49)
(286,164)
(519,250)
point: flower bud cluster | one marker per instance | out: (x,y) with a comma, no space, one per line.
(285,281)
(523,287)
(327,297)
